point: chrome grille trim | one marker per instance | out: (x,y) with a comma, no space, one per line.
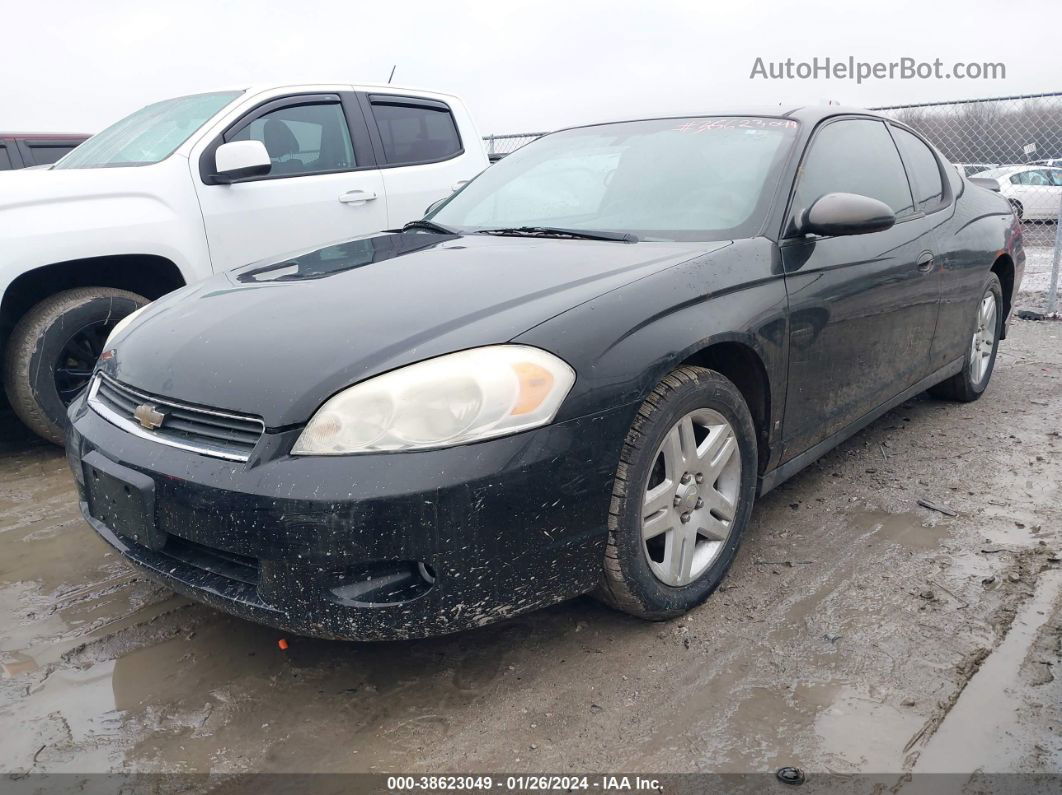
(218,434)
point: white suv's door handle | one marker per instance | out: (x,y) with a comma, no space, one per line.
(357,196)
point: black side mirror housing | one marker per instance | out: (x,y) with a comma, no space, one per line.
(837,214)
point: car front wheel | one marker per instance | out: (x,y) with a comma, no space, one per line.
(52,350)
(682,496)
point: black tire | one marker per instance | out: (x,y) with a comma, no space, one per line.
(963,386)
(628,583)
(40,378)
(1018,209)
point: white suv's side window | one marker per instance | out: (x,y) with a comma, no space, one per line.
(318,189)
(303,139)
(413,133)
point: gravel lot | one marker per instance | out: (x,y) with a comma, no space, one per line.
(858,631)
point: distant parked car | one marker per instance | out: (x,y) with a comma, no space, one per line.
(1055,162)
(1034,191)
(29,150)
(969,169)
(195,185)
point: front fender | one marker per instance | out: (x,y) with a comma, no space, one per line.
(623,343)
(59,216)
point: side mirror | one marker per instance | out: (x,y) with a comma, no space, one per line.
(241,159)
(837,214)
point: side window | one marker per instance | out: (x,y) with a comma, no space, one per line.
(1020,178)
(923,169)
(1038,178)
(302,139)
(854,156)
(46,154)
(416,133)
(5,159)
(1056,176)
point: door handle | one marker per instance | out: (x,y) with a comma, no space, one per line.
(458,185)
(925,262)
(357,196)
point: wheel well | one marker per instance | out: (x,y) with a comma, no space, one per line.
(1004,269)
(150,276)
(744,368)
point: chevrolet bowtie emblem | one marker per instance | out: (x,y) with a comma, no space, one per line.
(148,416)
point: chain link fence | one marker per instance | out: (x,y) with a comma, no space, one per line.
(498,146)
(1012,143)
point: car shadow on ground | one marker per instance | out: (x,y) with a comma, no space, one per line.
(14,436)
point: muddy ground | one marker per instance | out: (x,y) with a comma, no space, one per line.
(858,631)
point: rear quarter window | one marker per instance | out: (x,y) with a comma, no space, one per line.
(923,169)
(413,133)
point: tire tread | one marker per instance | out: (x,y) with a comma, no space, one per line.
(25,337)
(613,588)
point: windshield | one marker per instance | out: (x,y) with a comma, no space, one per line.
(664,179)
(149,135)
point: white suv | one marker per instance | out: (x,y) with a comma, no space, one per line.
(197,184)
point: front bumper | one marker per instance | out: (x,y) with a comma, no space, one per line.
(369,547)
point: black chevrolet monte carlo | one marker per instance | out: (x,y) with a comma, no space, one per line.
(575,375)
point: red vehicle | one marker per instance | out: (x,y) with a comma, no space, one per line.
(23,150)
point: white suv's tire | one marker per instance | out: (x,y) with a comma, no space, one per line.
(53,347)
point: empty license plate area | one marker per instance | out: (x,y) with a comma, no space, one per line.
(123,500)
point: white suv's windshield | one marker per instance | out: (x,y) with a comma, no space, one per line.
(149,135)
(706,178)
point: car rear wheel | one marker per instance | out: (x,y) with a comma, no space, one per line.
(682,496)
(980,356)
(52,350)
(1018,209)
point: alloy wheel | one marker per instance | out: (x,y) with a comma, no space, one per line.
(984,338)
(691,497)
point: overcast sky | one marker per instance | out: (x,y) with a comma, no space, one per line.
(520,65)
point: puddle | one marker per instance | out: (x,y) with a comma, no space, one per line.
(65,724)
(858,732)
(983,730)
(906,529)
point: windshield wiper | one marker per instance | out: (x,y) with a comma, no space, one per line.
(556,231)
(430,226)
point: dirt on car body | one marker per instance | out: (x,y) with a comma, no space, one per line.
(859,631)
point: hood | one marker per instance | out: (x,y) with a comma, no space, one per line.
(27,187)
(277,339)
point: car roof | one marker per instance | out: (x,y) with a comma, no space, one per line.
(805,114)
(1024,167)
(368,87)
(47,135)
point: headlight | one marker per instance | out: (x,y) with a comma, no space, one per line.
(461,397)
(122,325)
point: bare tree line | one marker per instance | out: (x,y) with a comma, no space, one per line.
(990,132)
